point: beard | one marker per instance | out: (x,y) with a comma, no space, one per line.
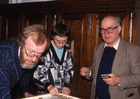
(24,66)
(23,61)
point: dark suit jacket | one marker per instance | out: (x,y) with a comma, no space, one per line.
(10,70)
(126,65)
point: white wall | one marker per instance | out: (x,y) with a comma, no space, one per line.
(26,1)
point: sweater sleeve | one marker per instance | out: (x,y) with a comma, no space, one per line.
(4,84)
(24,82)
(41,77)
(69,71)
(6,73)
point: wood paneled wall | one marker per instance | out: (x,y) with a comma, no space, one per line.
(84,35)
(84,29)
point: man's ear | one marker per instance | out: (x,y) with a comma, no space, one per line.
(119,29)
(20,46)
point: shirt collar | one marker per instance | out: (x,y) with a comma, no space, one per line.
(116,45)
(18,52)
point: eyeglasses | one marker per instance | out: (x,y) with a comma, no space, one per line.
(58,41)
(109,30)
(31,54)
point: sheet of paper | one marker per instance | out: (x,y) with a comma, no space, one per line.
(48,96)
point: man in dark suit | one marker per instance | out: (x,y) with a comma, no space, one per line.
(116,65)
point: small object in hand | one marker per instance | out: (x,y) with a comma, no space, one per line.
(104,76)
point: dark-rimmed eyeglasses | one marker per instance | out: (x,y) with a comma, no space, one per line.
(32,54)
(109,30)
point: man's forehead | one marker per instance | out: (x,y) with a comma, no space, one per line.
(33,47)
(29,41)
(108,22)
(61,38)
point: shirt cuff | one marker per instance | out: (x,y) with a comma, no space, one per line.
(119,85)
(89,74)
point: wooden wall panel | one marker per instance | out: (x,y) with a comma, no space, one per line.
(12,26)
(126,28)
(3,32)
(0,27)
(86,31)
(49,21)
(126,24)
(92,37)
(36,19)
(134,18)
(76,30)
(137,37)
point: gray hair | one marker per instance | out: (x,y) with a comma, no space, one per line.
(35,30)
(117,19)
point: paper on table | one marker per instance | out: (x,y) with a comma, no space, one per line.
(49,96)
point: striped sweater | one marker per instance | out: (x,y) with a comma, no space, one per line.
(52,71)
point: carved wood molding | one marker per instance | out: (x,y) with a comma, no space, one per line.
(72,6)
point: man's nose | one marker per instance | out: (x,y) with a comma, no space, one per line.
(34,59)
(106,31)
(61,43)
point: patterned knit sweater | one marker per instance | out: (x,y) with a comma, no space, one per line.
(52,71)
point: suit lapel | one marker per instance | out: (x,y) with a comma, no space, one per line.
(117,59)
(99,54)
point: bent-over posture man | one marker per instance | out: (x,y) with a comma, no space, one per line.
(19,55)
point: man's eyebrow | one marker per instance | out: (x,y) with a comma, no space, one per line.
(35,51)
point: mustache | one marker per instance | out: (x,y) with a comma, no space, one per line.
(31,61)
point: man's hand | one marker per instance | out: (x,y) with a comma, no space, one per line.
(53,90)
(112,80)
(84,71)
(66,90)
(26,94)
